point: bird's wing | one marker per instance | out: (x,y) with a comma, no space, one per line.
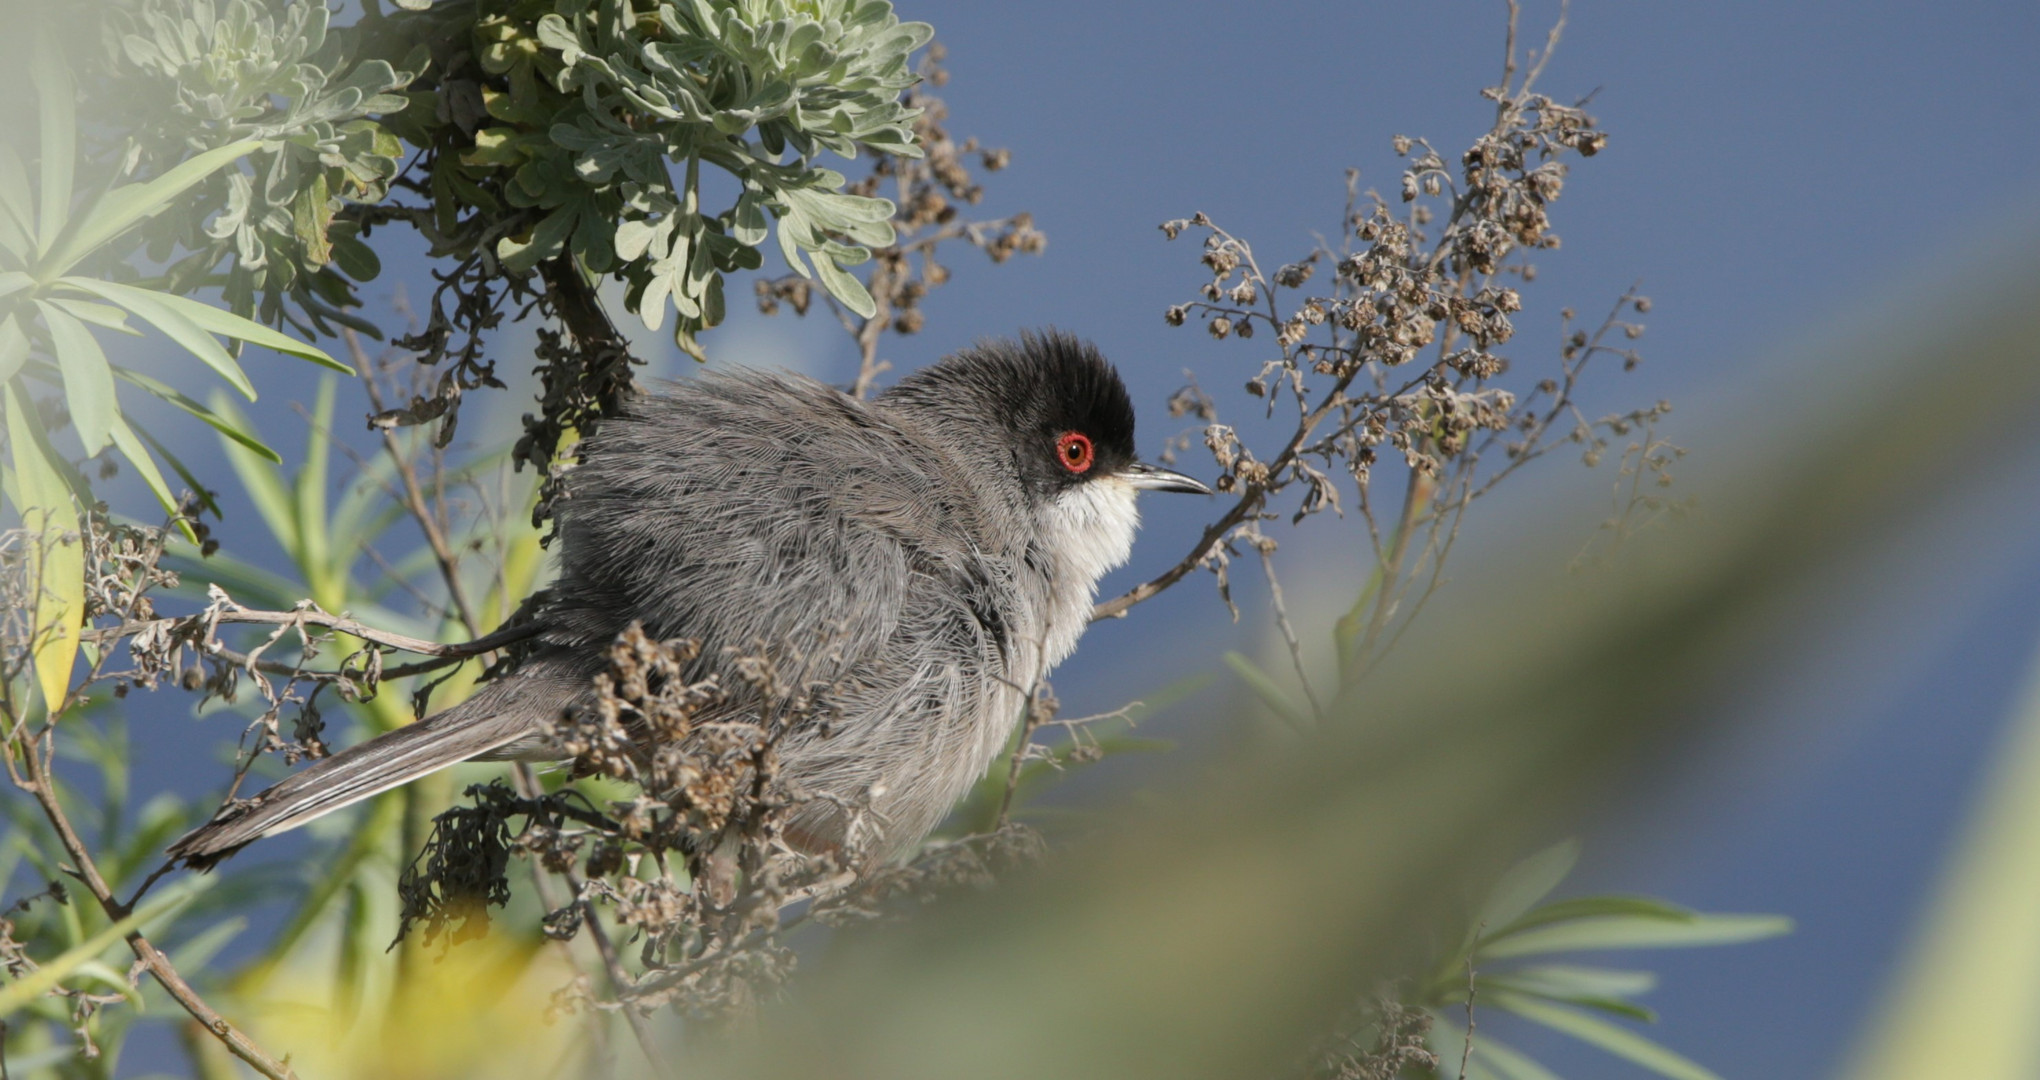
(768,515)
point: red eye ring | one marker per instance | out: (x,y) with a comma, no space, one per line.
(1073,451)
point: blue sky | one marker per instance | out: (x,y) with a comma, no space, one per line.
(1775,172)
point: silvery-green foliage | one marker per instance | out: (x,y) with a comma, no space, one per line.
(693,82)
(207,75)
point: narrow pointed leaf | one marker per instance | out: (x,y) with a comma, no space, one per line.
(1606,1035)
(308,497)
(1613,1006)
(1568,981)
(1271,694)
(88,378)
(258,477)
(17,205)
(13,347)
(1508,1062)
(1634,932)
(105,316)
(191,481)
(1525,884)
(130,447)
(228,324)
(221,424)
(177,326)
(49,514)
(124,207)
(1581,907)
(56,103)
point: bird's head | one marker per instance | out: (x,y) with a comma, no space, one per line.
(1060,411)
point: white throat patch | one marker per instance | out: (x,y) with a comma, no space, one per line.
(1089,529)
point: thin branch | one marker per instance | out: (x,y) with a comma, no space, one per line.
(1267,550)
(619,977)
(414,494)
(1036,710)
(42,786)
(312,616)
(1466,1049)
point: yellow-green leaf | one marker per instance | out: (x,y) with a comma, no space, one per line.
(49,515)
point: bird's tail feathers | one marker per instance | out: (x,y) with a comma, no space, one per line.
(390,760)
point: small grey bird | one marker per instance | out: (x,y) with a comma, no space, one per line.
(928,556)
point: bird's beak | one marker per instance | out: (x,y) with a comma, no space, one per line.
(1150,478)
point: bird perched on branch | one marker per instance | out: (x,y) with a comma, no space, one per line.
(926,557)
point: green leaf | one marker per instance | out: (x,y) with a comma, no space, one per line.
(308,494)
(1614,1006)
(1572,981)
(1271,694)
(147,304)
(1525,884)
(223,425)
(356,259)
(104,316)
(130,447)
(228,324)
(748,224)
(88,379)
(310,218)
(1508,1062)
(111,979)
(1613,1038)
(13,347)
(17,206)
(1637,932)
(1583,906)
(47,512)
(128,205)
(259,479)
(191,482)
(56,101)
(546,240)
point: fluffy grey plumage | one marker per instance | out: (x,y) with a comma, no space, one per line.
(928,556)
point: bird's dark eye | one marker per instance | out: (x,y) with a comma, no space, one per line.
(1073,449)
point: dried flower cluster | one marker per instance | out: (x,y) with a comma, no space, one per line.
(1394,344)
(1399,1045)
(693,866)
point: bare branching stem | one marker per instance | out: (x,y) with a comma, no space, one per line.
(40,784)
(310,615)
(414,492)
(620,979)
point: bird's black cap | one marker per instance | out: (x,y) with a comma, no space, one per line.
(1062,405)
